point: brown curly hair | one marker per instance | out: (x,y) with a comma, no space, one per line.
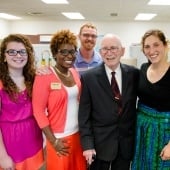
(62,37)
(28,70)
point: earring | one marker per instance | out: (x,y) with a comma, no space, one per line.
(4,60)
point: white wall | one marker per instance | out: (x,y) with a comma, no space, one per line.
(4,28)
(129,32)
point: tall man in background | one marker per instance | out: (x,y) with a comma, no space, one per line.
(87,56)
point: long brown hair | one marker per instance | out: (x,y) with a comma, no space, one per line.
(28,71)
(157,33)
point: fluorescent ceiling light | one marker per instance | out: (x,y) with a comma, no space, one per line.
(144,16)
(73,15)
(159,2)
(8,16)
(55,1)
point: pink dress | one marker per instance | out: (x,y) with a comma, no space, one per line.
(21,135)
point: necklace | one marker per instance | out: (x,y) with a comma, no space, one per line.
(64,75)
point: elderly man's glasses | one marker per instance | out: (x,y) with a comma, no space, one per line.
(112,49)
(66,52)
(12,52)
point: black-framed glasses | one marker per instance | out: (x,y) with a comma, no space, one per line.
(112,49)
(12,52)
(66,52)
(86,35)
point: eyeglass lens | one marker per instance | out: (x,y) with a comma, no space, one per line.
(12,52)
(89,35)
(66,52)
(111,49)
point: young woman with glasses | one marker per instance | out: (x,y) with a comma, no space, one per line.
(55,103)
(21,142)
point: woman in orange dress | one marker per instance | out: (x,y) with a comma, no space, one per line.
(55,104)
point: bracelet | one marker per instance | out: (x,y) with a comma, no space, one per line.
(55,143)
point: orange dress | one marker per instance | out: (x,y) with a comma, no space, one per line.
(50,104)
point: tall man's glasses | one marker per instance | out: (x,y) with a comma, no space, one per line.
(86,35)
(12,52)
(66,52)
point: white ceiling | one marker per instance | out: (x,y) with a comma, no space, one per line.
(92,10)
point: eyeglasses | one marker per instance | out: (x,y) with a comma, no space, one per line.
(112,49)
(66,52)
(86,35)
(12,52)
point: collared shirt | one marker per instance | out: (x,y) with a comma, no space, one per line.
(118,75)
(81,65)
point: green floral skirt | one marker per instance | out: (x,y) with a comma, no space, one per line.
(152,134)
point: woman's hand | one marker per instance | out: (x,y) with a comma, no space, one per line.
(165,153)
(43,70)
(61,146)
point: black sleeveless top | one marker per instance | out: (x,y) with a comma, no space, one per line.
(155,95)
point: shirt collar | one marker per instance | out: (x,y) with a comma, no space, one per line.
(109,71)
(95,57)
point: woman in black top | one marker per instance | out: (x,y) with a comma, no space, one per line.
(152,150)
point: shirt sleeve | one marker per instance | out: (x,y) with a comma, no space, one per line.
(41,89)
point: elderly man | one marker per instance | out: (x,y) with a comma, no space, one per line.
(107,119)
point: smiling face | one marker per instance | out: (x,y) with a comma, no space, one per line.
(111,51)
(88,37)
(154,49)
(66,56)
(16,61)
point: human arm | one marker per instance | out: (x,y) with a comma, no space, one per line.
(165,153)
(6,161)
(41,102)
(59,144)
(85,126)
